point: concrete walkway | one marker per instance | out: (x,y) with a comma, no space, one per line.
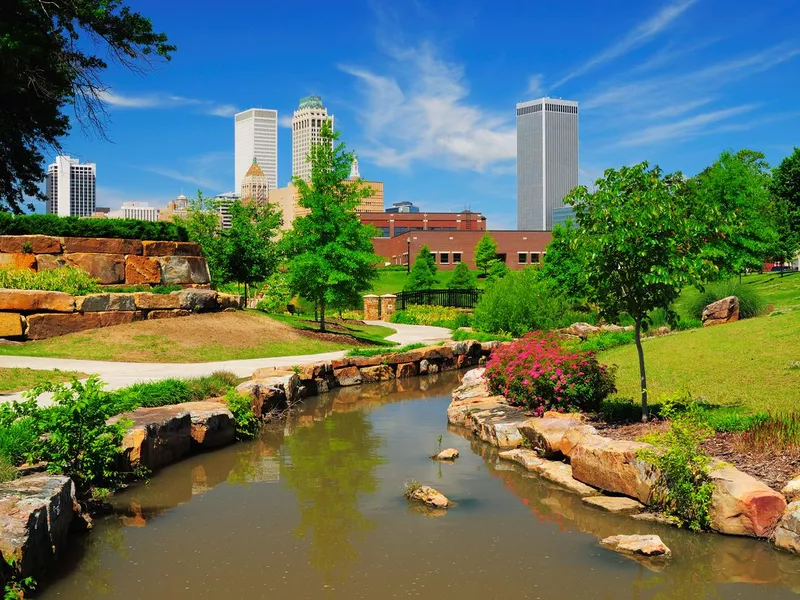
(122,374)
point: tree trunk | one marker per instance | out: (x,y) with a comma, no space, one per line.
(245,294)
(322,316)
(642,375)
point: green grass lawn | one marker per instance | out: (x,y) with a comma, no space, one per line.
(754,363)
(391,282)
(14,380)
(373,334)
(778,292)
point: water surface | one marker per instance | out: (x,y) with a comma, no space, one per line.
(316,511)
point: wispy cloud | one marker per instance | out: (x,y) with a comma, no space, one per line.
(205,171)
(166,101)
(285,120)
(535,87)
(684,128)
(420,111)
(639,35)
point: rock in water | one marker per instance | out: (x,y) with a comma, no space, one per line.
(428,496)
(640,545)
(447,454)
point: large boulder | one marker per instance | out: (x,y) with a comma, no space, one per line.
(18,261)
(408,369)
(48,262)
(743,505)
(613,466)
(12,325)
(36,301)
(555,435)
(171,249)
(107,268)
(197,300)
(429,496)
(142,270)
(101,245)
(213,424)
(473,385)
(155,437)
(168,314)
(104,302)
(787,534)
(184,270)
(619,505)
(347,376)
(39,244)
(47,325)
(376,373)
(581,330)
(36,514)
(275,390)
(721,312)
(792,490)
(149,301)
(555,471)
(234,301)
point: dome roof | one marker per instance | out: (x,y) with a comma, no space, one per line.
(254,169)
(310,102)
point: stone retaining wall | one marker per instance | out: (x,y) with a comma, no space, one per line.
(112,261)
(37,315)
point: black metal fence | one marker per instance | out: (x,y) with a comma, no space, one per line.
(466,298)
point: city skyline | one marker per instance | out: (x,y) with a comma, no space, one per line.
(70,187)
(430,109)
(256,138)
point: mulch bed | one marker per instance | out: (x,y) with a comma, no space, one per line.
(773,469)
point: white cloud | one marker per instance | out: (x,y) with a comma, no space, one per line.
(165,101)
(223,110)
(535,87)
(285,121)
(641,34)
(206,171)
(420,113)
(685,128)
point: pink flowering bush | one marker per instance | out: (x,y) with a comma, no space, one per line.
(540,374)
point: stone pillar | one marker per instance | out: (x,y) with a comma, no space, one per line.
(371,307)
(388,306)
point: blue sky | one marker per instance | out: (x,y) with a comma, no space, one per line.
(425,92)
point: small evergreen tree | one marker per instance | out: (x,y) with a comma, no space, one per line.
(462,277)
(485,253)
(423,272)
(497,270)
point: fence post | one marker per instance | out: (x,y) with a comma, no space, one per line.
(388,306)
(371,307)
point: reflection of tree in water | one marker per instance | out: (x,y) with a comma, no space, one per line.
(328,467)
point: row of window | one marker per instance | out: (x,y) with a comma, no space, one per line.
(533,258)
(562,108)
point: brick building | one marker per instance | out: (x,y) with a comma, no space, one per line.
(517,249)
(391,224)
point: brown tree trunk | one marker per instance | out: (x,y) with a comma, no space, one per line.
(322,316)
(642,374)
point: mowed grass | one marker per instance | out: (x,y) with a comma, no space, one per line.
(778,292)
(197,338)
(753,363)
(15,380)
(391,282)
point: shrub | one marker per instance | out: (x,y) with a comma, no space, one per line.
(277,294)
(683,489)
(540,374)
(17,435)
(751,303)
(426,314)
(7,470)
(71,280)
(460,335)
(98,228)
(174,391)
(520,302)
(423,272)
(462,277)
(379,351)
(606,340)
(245,419)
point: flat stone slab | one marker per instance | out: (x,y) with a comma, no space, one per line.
(557,472)
(213,424)
(449,454)
(615,504)
(641,545)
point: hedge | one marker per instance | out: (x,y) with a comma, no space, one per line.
(92,228)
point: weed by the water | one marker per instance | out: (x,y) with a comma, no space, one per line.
(411,487)
(376,351)
(771,434)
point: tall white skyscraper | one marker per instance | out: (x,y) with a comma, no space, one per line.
(71,187)
(547,160)
(256,136)
(306,123)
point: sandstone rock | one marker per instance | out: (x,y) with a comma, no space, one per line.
(555,434)
(721,312)
(36,513)
(48,262)
(36,301)
(183,270)
(615,504)
(460,411)
(447,454)
(406,370)
(168,314)
(276,391)
(473,385)
(528,459)
(743,505)
(347,376)
(101,245)
(787,534)
(357,361)
(424,366)
(171,249)
(155,437)
(376,373)
(227,301)
(149,301)
(107,268)
(643,545)
(18,261)
(44,325)
(792,490)
(612,465)
(555,471)
(197,300)
(40,244)
(142,270)
(429,496)
(11,325)
(104,302)
(213,424)
(581,330)
(466,360)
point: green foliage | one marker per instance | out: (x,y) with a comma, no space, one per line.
(410,487)
(378,351)
(18,434)
(485,252)
(520,302)
(247,424)
(496,269)
(27,248)
(331,256)
(71,280)
(785,190)
(425,314)
(751,303)
(49,71)
(173,391)
(7,470)
(460,335)
(95,228)
(202,225)
(156,289)
(423,272)
(276,294)
(643,237)
(462,278)
(683,489)
(565,264)
(771,434)
(606,340)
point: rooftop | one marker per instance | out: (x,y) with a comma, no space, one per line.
(310,102)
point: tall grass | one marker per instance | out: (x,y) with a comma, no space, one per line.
(772,434)
(71,280)
(175,391)
(751,303)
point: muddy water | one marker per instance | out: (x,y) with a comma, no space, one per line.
(316,511)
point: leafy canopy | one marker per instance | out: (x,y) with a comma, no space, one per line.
(565,264)
(51,63)
(785,190)
(485,252)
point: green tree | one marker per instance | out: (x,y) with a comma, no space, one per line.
(463,278)
(785,190)
(497,269)
(736,191)
(202,224)
(332,260)
(643,238)
(51,66)
(485,252)
(565,264)
(423,272)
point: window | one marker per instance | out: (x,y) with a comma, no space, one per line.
(383,232)
(456,257)
(522,258)
(444,258)
(535,258)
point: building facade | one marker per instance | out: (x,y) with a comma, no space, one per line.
(255,186)
(306,124)
(135,210)
(517,249)
(175,208)
(391,224)
(547,160)
(403,207)
(71,188)
(256,136)
(223,208)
